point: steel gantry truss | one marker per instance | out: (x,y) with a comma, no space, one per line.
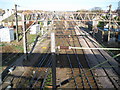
(69,16)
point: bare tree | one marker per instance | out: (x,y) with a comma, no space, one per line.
(82,10)
(96,9)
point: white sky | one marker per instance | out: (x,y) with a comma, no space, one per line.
(59,5)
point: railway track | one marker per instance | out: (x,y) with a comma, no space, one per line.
(10,58)
(17,80)
(84,65)
(37,73)
(84,81)
(69,61)
(106,68)
(89,78)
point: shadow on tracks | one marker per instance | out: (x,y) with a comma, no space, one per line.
(39,60)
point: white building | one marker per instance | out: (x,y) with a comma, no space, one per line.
(35,29)
(45,23)
(6,34)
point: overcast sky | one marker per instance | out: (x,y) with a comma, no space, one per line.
(59,5)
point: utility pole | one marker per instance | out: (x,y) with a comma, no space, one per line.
(8,17)
(109,25)
(24,37)
(16,20)
(53,60)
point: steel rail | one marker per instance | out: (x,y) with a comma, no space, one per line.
(80,65)
(96,83)
(48,64)
(69,60)
(105,69)
(88,64)
(31,81)
(93,78)
(9,58)
(70,66)
(42,60)
(79,75)
(36,70)
(47,73)
(102,67)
